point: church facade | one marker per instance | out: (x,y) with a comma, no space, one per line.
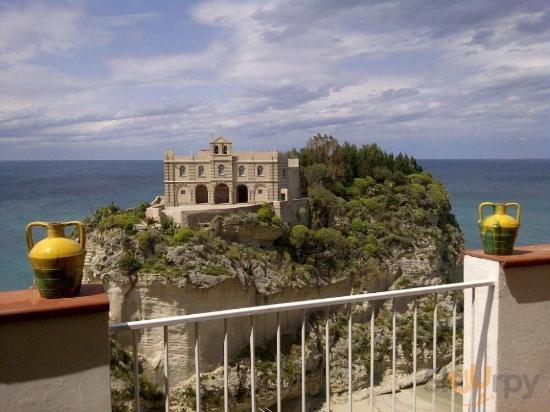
(218,175)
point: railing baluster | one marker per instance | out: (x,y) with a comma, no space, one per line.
(434,352)
(393,356)
(350,358)
(166,381)
(472,343)
(225,367)
(136,371)
(415,319)
(303,361)
(252,366)
(327,359)
(372,358)
(279,401)
(197,369)
(453,365)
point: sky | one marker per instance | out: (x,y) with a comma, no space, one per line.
(127,79)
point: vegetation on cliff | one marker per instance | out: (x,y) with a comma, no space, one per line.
(371,206)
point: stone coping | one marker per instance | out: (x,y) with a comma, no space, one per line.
(27,304)
(523,256)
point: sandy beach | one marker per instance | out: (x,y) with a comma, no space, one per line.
(404,401)
(383,402)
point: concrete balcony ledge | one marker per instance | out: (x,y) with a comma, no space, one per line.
(523,256)
(55,352)
(27,304)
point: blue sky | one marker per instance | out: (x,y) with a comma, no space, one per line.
(126,79)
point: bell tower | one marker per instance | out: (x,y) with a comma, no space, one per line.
(221,147)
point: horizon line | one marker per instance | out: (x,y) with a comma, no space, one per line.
(160,160)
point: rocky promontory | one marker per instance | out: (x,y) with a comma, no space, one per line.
(378,222)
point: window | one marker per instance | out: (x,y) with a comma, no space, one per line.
(216,150)
(241,171)
(260,170)
(260,191)
(224,150)
(182,170)
(182,192)
(283,197)
(284,172)
(220,170)
(201,170)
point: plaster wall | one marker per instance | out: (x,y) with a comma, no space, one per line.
(506,346)
(57,364)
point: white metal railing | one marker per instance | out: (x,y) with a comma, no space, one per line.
(326,303)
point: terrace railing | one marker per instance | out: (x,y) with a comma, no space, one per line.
(304,306)
(505,344)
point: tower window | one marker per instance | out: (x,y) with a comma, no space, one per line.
(224,150)
(260,170)
(221,170)
(241,171)
(201,170)
(182,170)
(216,150)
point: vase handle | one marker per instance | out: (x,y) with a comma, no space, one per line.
(480,210)
(518,210)
(28,230)
(81,231)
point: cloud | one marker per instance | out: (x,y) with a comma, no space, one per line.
(276,71)
(25,32)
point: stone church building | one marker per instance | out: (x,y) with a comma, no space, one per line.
(219,175)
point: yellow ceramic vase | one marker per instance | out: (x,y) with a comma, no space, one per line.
(499,230)
(57,261)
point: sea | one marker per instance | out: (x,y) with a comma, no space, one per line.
(69,190)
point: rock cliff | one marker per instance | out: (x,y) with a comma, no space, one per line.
(393,229)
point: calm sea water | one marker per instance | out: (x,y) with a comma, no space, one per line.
(54,191)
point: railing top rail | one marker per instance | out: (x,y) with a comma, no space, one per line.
(305,304)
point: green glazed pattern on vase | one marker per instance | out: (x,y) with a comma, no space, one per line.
(58,283)
(498,241)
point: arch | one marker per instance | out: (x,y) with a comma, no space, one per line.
(221,193)
(242,171)
(242,194)
(201,194)
(221,169)
(182,170)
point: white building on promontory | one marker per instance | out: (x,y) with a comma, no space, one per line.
(219,175)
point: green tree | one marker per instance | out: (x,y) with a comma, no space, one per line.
(324,206)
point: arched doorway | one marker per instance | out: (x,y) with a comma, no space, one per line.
(242,194)
(201,194)
(221,193)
